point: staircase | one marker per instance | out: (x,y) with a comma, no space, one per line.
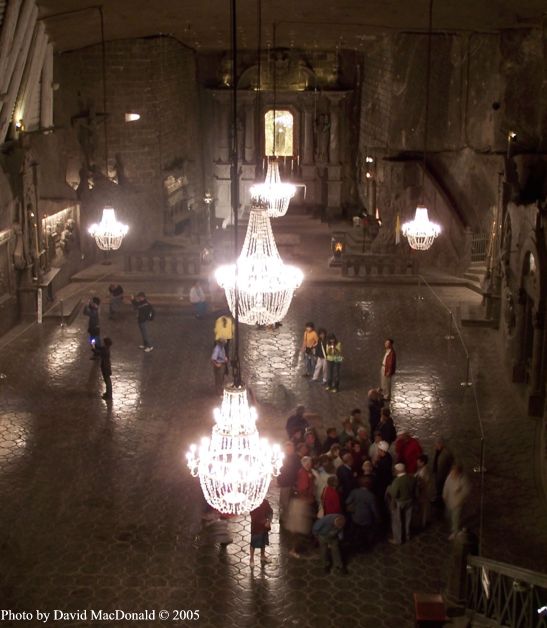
(475,274)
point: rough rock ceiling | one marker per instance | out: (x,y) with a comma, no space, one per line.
(323,24)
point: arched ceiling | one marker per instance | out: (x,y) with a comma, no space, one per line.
(322,24)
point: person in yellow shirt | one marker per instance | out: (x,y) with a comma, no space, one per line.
(224,330)
(309,342)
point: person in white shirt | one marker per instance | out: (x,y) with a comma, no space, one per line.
(198,300)
(455,493)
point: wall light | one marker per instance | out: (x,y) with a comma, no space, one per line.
(20,125)
(132,117)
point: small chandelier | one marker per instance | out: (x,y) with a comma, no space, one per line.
(109,233)
(275,194)
(421,232)
(259,285)
(235,466)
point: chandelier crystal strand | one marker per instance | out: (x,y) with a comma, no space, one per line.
(265,284)
(235,466)
(421,232)
(275,194)
(109,233)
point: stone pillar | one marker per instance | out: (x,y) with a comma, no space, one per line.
(307,153)
(334,139)
(249,135)
(222,125)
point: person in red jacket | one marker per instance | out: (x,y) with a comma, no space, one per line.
(408,450)
(389,366)
(330,499)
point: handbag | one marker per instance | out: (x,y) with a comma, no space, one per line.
(267,524)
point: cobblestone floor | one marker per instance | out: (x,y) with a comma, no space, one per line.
(99,512)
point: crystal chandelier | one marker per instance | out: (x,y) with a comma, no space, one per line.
(273,192)
(235,466)
(109,233)
(259,284)
(421,232)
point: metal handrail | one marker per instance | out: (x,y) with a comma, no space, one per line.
(467,383)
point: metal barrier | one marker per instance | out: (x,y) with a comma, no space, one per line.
(467,383)
(480,244)
(508,595)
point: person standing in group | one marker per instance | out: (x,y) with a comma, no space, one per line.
(401,493)
(224,330)
(106,368)
(116,299)
(425,491)
(309,343)
(145,314)
(198,300)
(219,361)
(328,530)
(286,480)
(364,513)
(375,405)
(261,520)
(92,310)
(301,506)
(321,357)
(408,450)
(442,463)
(455,493)
(389,366)
(334,362)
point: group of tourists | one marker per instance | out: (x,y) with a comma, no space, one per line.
(322,357)
(350,491)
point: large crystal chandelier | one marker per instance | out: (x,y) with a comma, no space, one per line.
(421,232)
(235,466)
(273,192)
(109,233)
(259,284)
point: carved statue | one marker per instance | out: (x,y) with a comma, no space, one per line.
(322,133)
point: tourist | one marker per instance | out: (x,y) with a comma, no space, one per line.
(334,362)
(334,455)
(145,314)
(312,442)
(261,520)
(116,299)
(346,477)
(323,470)
(401,494)
(328,530)
(309,343)
(358,457)
(364,513)
(363,440)
(408,450)
(442,463)
(198,300)
(297,421)
(300,515)
(455,493)
(347,433)
(330,497)
(320,372)
(106,368)
(375,404)
(425,491)
(92,310)
(331,439)
(224,330)
(373,449)
(286,480)
(356,419)
(389,366)
(386,427)
(383,469)
(219,361)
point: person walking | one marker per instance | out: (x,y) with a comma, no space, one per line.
(116,299)
(92,311)
(309,343)
(198,300)
(106,368)
(334,362)
(389,366)
(320,371)
(328,531)
(261,520)
(219,361)
(145,314)
(401,493)
(455,493)
(224,330)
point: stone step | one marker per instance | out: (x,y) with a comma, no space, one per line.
(64,310)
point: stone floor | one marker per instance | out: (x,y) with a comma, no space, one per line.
(99,511)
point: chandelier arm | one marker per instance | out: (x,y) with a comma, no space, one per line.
(258,125)
(427,92)
(274,73)
(105,117)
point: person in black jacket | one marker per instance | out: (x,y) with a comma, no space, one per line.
(106,368)
(297,422)
(346,478)
(386,427)
(375,405)
(93,327)
(145,314)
